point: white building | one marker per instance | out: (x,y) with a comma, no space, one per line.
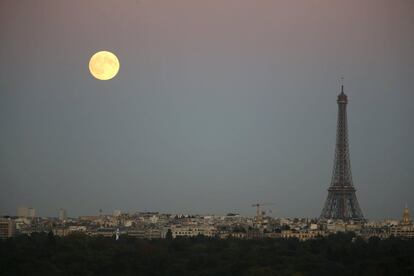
(117,213)
(192,230)
(7,228)
(25,212)
(63,215)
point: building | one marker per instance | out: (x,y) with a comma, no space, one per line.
(146,233)
(26,212)
(406,216)
(334,226)
(90,218)
(405,229)
(301,235)
(117,213)
(63,215)
(61,231)
(379,231)
(22,212)
(7,228)
(104,231)
(192,230)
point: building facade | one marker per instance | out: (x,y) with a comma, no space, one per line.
(7,228)
(25,212)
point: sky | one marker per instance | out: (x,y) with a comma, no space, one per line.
(218,104)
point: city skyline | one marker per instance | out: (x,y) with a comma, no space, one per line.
(268,213)
(217,105)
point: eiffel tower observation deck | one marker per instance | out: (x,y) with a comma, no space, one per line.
(342,202)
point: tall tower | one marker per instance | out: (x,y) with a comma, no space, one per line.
(406,215)
(342,202)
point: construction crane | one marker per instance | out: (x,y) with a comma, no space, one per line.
(259,212)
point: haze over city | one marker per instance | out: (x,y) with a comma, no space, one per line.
(217,105)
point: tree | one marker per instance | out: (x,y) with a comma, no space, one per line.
(169,235)
(51,236)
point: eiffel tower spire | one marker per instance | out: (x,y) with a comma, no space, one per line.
(342,202)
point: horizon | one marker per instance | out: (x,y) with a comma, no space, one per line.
(136,212)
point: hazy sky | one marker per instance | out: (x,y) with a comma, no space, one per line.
(218,104)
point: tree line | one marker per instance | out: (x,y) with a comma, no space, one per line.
(77,254)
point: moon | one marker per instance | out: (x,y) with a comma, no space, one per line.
(104,65)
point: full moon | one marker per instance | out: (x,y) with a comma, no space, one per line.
(104,65)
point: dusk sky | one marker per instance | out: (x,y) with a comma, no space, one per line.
(218,104)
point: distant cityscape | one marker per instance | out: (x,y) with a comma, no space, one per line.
(155,225)
(340,213)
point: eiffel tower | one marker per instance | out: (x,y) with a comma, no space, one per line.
(342,202)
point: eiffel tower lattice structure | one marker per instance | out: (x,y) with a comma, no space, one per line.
(342,202)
